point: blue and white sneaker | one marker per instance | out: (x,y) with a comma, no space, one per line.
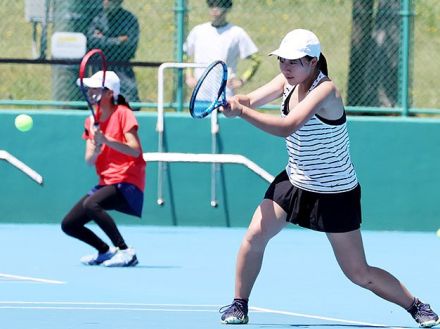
(122,258)
(98,259)
(235,313)
(423,314)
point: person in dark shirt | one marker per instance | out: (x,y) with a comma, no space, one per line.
(116,31)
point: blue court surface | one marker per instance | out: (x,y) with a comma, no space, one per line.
(186,274)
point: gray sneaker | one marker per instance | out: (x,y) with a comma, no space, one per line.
(123,258)
(423,314)
(97,259)
(235,313)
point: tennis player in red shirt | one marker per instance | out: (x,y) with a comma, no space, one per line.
(115,150)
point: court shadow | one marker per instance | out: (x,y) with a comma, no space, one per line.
(158,267)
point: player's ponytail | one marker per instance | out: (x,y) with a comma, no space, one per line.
(322,64)
(122,101)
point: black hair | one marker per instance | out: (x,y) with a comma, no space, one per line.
(219,3)
(122,101)
(322,63)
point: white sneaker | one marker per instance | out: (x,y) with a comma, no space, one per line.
(97,259)
(122,258)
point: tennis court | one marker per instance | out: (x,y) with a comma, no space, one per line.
(186,273)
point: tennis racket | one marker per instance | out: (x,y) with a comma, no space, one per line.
(210,91)
(93,61)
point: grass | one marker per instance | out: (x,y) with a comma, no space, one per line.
(266,21)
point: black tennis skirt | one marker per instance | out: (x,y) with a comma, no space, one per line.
(324,212)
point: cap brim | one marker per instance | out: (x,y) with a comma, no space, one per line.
(287,55)
(89,83)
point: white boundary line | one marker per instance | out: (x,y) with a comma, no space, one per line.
(318,317)
(108,306)
(27,278)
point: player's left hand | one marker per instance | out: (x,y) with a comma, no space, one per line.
(232,109)
(99,137)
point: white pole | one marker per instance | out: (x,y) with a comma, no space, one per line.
(160,124)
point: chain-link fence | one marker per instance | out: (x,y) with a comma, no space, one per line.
(381,53)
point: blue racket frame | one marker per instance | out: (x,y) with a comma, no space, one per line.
(221,94)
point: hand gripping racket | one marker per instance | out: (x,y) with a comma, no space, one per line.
(210,91)
(92,62)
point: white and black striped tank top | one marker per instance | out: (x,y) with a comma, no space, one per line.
(319,152)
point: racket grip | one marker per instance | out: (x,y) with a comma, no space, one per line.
(96,126)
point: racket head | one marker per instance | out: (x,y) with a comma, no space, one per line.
(93,62)
(210,91)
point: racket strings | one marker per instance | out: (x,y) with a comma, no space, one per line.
(208,91)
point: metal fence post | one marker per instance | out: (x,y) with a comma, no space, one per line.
(180,34)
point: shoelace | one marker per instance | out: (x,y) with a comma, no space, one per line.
(237,307)
(424,310)
(223,309)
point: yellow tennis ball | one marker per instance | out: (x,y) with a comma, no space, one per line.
(24,122)
(438,233)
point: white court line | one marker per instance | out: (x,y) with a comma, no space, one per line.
(27,278)
(107,306)
(319,317)
(103,309)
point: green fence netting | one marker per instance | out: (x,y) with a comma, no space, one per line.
(381,53)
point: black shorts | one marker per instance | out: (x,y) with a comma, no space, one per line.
(324,212)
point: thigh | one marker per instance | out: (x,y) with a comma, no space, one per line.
(268,220)
(349,250)
(107,197)
(77,215)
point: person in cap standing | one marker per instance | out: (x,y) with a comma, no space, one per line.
(318,189)
(221,40)
(114,148)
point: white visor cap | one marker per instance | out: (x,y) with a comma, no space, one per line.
(111,82)
(297,44)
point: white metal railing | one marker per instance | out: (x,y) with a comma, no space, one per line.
(36,177)
(206,158)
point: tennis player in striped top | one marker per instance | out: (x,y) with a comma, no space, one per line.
(318,189)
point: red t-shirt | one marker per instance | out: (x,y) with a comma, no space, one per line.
(112,166)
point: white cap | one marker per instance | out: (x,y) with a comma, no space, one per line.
(297,44)
(111,82)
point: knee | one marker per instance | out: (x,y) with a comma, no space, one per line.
(359,276)
(256,238)
(68,226)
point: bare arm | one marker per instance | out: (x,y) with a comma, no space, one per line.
(93,147)
(131,147)
(275,125)
(92,152)
(267,93)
